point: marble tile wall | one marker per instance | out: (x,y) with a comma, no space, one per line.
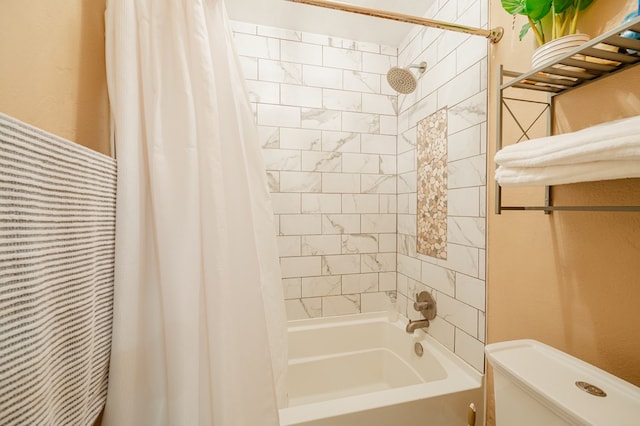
(456,79)
(328,129)
(340,151)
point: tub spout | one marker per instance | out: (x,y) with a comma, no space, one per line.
(414,325)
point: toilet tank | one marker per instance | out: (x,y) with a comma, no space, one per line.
(535,385)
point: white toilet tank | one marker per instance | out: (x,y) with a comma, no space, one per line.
(536,385)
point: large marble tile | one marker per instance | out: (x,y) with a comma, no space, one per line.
(269,137)
(409,266)
(379,104)
(296,95)
(360,122)
(361,81)
(300,224)
(377,223)
(300,181)
(378,63)
(282,159)
(360,163)
(321,203)
(407,224)
(465,144)
(303,308)
(279,72)
(359,283)
(378,184)
(263,92)
(359,243)
(303,139)
(341,100)
(304,53)
(468,113)
(378,302)
(285,203)
(316,245)
(360,203)
(470,349)
(321,286)
(278,115)
(459,314)
(321,119)
(464,202)
(463,86)
(340,141)
(340,305)
(341,264)
(341,224)
(462,259)
(468,172)
(439,278)
(342,58)
(471,291)
(288,245)
(387,281)
(387,243)
(315,161)
(316,76)
(378,144)
(243,27)
(293,267)
(469,231)
(256,46)
(378,262)
(388,203)
(340,183)
(292,288)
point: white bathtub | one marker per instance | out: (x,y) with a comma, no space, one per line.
(363,370)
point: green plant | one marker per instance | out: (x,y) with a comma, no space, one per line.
(563,15)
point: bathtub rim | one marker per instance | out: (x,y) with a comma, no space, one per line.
(461,376)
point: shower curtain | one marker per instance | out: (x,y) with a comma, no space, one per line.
(199,333)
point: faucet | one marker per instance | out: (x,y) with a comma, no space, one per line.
(426,305)
(414,325)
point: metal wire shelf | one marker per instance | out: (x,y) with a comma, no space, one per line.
(599,58)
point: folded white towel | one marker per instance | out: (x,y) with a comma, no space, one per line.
(615,140)
(571,173)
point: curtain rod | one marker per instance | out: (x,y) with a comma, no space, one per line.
(494,35)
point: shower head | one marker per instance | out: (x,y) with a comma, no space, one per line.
(402,80)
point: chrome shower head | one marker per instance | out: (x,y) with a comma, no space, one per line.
(402,80)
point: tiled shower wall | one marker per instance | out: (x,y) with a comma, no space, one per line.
(328,128)
(340,149)
(456,78)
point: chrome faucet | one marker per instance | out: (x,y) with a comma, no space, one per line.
(414,325)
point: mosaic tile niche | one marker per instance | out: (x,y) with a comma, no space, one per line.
(432,185)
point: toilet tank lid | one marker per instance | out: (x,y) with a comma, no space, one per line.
(552,375)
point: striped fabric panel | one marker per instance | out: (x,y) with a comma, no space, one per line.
(57,237)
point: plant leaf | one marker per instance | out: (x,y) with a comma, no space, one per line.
(583,4)
(513,7)
(524,30)
(561,5)
(537,9)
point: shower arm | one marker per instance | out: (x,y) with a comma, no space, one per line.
(494,35)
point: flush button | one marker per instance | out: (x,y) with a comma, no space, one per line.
(591,389)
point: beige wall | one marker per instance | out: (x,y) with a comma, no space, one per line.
(572,279)
(52,71)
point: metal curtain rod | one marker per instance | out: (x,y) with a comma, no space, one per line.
(494,35)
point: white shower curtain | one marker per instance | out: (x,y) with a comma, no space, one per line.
(199,332)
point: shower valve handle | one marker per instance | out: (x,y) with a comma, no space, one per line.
(422,306)
(426,305)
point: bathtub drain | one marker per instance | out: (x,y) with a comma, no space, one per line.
(418,348)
